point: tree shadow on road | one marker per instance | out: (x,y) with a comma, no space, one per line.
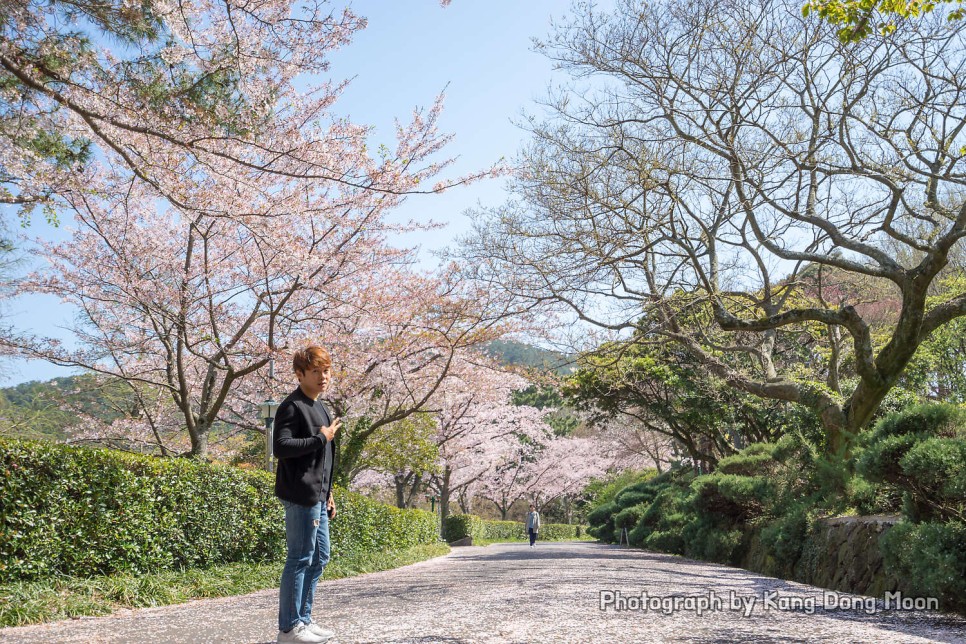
(946,628)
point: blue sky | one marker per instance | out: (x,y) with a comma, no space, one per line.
(479,52)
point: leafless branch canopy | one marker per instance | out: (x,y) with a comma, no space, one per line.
(728,175)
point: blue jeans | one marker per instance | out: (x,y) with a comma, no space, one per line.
(307,538)
(533,536)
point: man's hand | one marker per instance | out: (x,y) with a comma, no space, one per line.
(330,506)
(329,432)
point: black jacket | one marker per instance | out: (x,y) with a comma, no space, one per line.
(305,457)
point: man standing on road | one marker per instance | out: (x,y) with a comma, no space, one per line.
(533,523)
(304,431)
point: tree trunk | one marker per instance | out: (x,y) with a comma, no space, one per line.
(199,440)
(835,339)
(444,494)
(466,502)
(400,482)
(414,489)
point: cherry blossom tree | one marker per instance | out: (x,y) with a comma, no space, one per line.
(193,305)
(394,361)
(222,213)
(476,425)
(563,468)
(634,445)
(477,444)
(510,474)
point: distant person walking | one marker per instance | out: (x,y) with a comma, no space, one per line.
(304,431)
(533,524)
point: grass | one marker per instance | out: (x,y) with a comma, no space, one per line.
(63,597)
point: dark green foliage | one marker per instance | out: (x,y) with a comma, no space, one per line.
(628,517)
(749,461)
(930,558)
(601,521)
(541,397)
(774,494)
(643,508)
(873,498)
(706,538)
(737,499)
(661,526)
(921,453)
(635,494)
(930,419)
(786,537)
(767,486)
(602,491)
(84,512)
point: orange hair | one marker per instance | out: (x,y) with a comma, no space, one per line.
(309,358)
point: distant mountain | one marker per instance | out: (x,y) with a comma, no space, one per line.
(510,352)
(43,409)
(38,409)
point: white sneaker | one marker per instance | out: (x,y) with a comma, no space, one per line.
(315,628)
(300,633)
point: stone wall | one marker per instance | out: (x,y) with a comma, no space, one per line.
(842,554)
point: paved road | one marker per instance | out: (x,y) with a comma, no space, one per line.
(511,593)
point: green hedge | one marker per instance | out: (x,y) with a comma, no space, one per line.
(561,532)
(458,526)
(84,511)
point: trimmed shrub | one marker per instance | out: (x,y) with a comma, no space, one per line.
(628,487)
(785,538)
(754,459)
(602,522)
(921,453)
(736,499)
(628,517)
(602,491)
(705,538)
(930,558)
(561,532)
(661,525)
(81,511)
(458,526)
(362,525)
(712,516)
